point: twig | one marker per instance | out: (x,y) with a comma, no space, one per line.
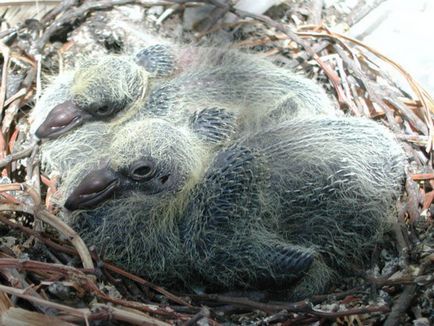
(343,79)
(14,208)
(65,5)
(401,306)
(372,90)
(419,140)
(80,12)
(71,251)
(38,267)
(17,156)
(40,212)
(302,306)
(299,307)
(425,99)
(13,108)
(22,92)
(423,176)
(334,79)
(37,235)
(316,11)
(305,56)
(142,281)
(28,2)
(413,202)
(51,191)
(3,87)
(167,13)
(360,13)
(275,318)
(19,316)
(82,313)
(131,316)
(203,313)
(409,115)
(78,276)
(17,280)
(6,57)
(8,32)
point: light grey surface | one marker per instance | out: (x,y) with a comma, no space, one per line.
(403,31)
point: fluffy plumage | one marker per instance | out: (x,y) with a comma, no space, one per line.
(252,90)
(104,88)
(114,81)
(219,94)
(93,92)
(81,149)
(307,198)
(57,92)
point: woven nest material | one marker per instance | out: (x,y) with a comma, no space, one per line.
(48,275)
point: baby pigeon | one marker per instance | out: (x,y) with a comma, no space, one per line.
(305,199)
(211,78)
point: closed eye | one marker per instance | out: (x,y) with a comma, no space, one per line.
(164,179)
(104,111)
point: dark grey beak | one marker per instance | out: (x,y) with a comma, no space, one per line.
(62,118)
(96,187)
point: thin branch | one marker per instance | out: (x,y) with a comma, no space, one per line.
(41,213)
(17,156)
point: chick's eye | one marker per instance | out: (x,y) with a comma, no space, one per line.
(104,111)
(142,171)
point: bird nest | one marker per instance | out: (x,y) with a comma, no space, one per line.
(49,275)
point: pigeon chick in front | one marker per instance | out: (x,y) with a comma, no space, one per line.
(294,205)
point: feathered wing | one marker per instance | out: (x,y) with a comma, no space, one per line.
(214,125)
(157,59)
(335,180)
(225,230)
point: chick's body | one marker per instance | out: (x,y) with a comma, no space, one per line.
(304,199)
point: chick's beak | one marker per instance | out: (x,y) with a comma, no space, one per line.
(65,116)
(95,188)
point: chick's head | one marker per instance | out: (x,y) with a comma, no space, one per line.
(100,91)
(151,158)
